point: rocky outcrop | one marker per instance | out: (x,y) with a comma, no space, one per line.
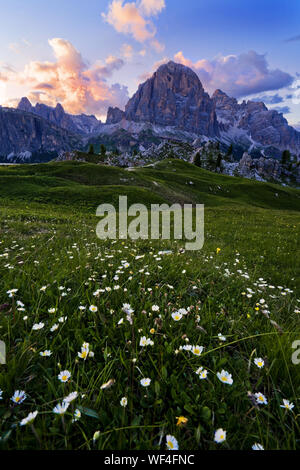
(78,124)
(253,120)
(174,96)
(114,115)
(23,133)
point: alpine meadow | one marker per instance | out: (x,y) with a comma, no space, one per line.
(115,343)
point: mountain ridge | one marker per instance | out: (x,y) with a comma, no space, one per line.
(172,105)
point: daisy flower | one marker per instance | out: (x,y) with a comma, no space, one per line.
(143,341)
(259,362)
(197,350)
(1,393)
(60,409)
(202,373)
(172,443)
(18,397)
(71,397)
(77,415)
(287,405)
(257,446)
(221,337)
(261,399)
(53,328)
(177,316)
(108,384)
(225,377)
(38,326)
(46,353)
(12,292)
(64,376)
(145,382)
(93,308)
(123,402)
(220,436)
(29,419)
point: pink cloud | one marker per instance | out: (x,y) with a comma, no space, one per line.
(132,18)
(70,81)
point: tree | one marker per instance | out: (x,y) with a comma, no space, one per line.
(197,160)
(286,157)
(91,149)
(103,150)
(229,151)
(219,160)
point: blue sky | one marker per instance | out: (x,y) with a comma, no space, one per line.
(100,50)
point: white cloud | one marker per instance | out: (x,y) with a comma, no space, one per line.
(238,75)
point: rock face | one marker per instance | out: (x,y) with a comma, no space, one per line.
(254,121)
(23,133)
(174,96)
(114,115)
(78,124)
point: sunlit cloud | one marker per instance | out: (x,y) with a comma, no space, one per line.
(68,79)
(238,75)
(127,51)
(133,18)
(152,7)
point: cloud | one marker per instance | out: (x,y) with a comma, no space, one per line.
(269,99)
(71,81)
(238,75)
(293,39)
(127,51)
(132,18)
(152,7)
(17,47)
(296,126)
(282,109)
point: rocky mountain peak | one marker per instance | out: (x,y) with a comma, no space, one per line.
(25,105)
(114,115)
(174,96)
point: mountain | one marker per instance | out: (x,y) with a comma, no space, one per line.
(252,123)
(171,107)
(114,115)
(77,124)
(25,136)
(174,96)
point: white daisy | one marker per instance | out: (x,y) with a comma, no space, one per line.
(172,443)
(287,405)
(18,397)
(259,362)
(225,377)
(220,436)
(123,402)
(261,399)
(29,419)
(64,376)
(145,382)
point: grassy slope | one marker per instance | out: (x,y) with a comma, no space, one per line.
(45,209)
(168,180)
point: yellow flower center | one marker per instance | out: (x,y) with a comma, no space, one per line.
(170,444)
(64,377)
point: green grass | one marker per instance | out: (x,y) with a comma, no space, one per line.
(47,238)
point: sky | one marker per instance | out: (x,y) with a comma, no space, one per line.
(92,54)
